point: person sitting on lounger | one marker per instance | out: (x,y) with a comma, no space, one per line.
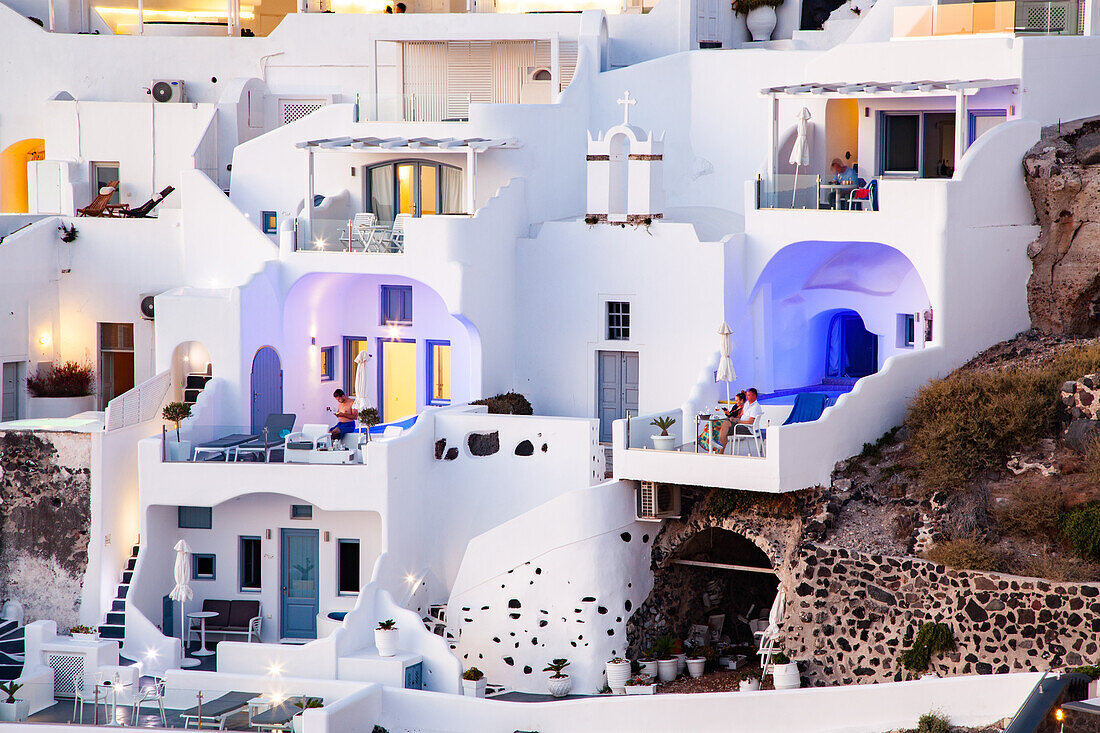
(345,417)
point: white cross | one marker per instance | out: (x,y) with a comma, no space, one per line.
(626,102)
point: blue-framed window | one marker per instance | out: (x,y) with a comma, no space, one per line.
(347,567)
(203,566)
(982,121)
(396,305)
(328,363)
(907,330)
(250,554)
(439,372)
(269,221)
(301,511)
(194,517)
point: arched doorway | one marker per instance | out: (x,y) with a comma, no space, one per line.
(14,192)
(191,370)
(267,386)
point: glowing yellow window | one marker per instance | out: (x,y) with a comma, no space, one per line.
(439,371)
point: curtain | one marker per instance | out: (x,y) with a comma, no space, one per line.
(381,192)
(453,185)
(834,348)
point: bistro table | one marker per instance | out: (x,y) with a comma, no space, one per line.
(202,616)
(114,685)
(826,193)
(706,428)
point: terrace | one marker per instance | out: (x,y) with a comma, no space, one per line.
(1011,17)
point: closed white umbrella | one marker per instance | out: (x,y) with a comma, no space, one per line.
(800,153)
(182,592)
(771,634)
(725,364)
(362,401)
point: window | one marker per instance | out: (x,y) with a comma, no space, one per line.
(301,511)
(250,563)
(439,372)
(984,121)
(116,361)
(269,220)
(901,144)
(202,567)
(347,566)
(414,187)
(618,321)
(106,174)
(397,305)
(920,143)
(907,330)
(194,517)
(328,363)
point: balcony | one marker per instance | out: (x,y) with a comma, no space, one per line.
(1026,17)
(808,191)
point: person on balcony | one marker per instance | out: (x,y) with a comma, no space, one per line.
(345,418)
(843,173)
(750,412)
(733,414)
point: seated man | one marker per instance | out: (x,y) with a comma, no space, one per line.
(751,411)
(845,175)
(345,417)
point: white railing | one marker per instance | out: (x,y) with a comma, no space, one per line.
(205,155)
(139,404)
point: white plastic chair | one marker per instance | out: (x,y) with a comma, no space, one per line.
(362,230)
(391,432)
(741,432)
(313,433)
(396,240)
(149,694)
(85,692)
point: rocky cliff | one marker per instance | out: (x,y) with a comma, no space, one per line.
(1063,176)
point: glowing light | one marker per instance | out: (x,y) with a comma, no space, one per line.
(394,332)
(318,243)
(151,654)
(44,339)
(275,669)
(1059,715)
(191,15)
(410,578)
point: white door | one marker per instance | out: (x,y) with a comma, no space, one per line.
(706,30)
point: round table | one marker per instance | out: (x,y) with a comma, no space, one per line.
(114,688)
(202,616)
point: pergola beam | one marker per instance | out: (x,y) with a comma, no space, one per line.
(724,566)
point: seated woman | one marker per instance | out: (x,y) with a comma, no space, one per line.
(345,417)
(733,414)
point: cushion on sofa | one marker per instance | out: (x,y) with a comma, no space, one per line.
(219,607)
(241,612)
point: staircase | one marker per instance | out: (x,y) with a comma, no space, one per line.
(114,625)
(11,649)
(193,385)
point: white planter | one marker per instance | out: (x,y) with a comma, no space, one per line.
(761,22)
(1094,688)
(177,451)
(386,641)
(785,676)
(663,442)
(681,663)
(39,407)
(296,723)
(641,689)
(559,686)
(695,666)
(86,638)
(474,688)
(649,667)
(666,670)
(13,712)
(749,685)
(737,661)
(617,675)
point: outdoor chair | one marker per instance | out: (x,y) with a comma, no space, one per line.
(311,437)
(85,691)
(864,196)
(148,695)
(395,242)
(808,407)
(277,717)
(363,230)
(273,437)
(101,204)
(145,209)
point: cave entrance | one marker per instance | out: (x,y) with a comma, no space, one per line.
(719,579)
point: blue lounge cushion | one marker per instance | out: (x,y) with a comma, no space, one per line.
(808,407)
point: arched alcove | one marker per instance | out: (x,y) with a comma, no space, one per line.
(14,193)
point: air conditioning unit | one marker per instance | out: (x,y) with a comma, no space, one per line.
(147,307)
(657,501)
(167,90)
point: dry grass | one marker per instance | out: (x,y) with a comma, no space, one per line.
(1057,567)
(967,554)
(1033,510)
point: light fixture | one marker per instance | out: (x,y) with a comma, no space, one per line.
(269,534)
(151,654)
(1059,715)
(44,339)
(326,536)
(275,670)
(313,341)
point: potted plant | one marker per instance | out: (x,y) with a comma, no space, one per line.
(664,441)
(648,663)
(385,638)
(304,704)
(751,683)
(679,656)
(666,661)
(559,683)
(759,16)
(368,418)
(61,390)
(11,709)
(696,662)
(473,682)
(641,684)
(618,672)
(80,632)
(785,672)
(177,412)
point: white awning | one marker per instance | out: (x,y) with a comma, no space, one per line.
(401,144)
(889,89)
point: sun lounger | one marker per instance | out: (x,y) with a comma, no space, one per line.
(223,445)
(277,427)
(278,717)
(101,205)
(145,209)
(215,711)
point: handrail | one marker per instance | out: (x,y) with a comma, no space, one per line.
(1031,694)
(138,404)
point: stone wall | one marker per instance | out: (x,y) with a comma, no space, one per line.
(849,615)
(44,520)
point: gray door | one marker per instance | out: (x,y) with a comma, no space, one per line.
(9,397)
(616,388)
(298,612)
(267,387)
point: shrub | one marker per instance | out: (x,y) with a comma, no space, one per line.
(933,638)
(176,412)
(309,703)
(68,379)
(387,625)
(744,7)
(1057,567)
(1081,528)
(933,723)
(1034,509)
(369,416)
(10,689)
(473,674)
(966,553)
(972,421)
(509,403)
(664,423)
(721,503)
(1089,670)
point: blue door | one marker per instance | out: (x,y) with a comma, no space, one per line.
(298,616)
(267,387)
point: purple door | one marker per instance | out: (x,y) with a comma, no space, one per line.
(267,387)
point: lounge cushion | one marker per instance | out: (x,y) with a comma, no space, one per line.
(241,612)
(219,607)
